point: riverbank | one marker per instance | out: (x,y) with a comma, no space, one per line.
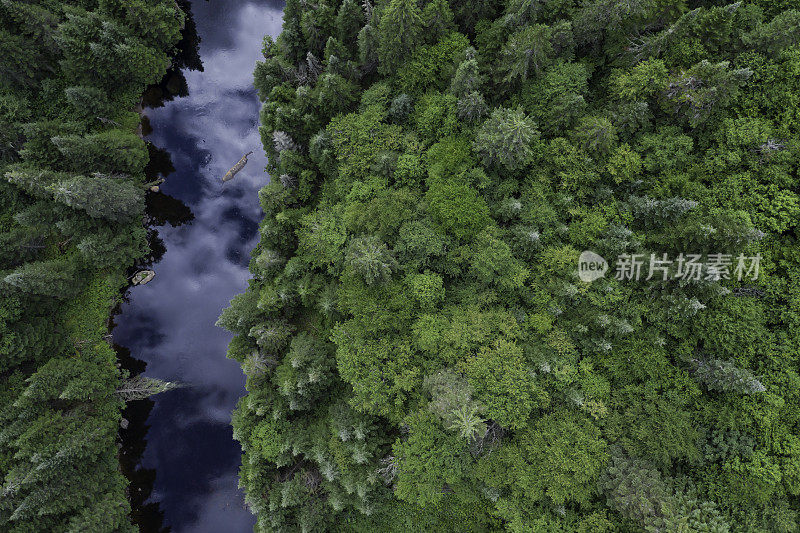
(71,208)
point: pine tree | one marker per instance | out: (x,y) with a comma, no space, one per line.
(99,49)
(36,23)
(158,24)
(110,152)
(724,376)
(316,25)
(467,78)
(505,138)
(336,94)
(349,22)
(91,103)
(53,278)
(272,336)
(110,247)
(306,371)
(639,493)
(596,135)
(634,489)
(29,340)
(20,60)
(781,33)
(35,181)
(21,244)
(599,17)
(468,14)
(401,108)
(652,213)
(109,513)
(368,47)
(451,401)
(291,38)
(533,48)
(371,259)
(141,387)
(523,12)
(472,107)
(701,92)
(437,20)
(400,31)
(114,200)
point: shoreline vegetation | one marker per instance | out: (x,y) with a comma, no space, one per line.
(420,353)
(72,212)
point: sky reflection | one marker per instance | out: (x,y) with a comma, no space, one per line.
(169,323)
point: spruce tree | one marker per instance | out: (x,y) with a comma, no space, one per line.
(371,259)
(118,201)
(725,376)
(54,278)
(505,138)
(349,21)
(112,151)
(400,31)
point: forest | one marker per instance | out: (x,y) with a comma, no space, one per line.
(420,352)
(72,226)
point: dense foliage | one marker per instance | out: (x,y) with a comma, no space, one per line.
(71,223)
(421,355)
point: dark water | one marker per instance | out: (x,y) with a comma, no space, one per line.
(182,459)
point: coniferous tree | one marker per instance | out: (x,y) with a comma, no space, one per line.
(451,401)
(305,372)
(371,259)
(505,138)
(113,200)
(437,20)
(22,62)
(272,336)
(242,314)
(472,107)
(108,248)
(53,278)
(368,39)
(349,21)
(35,181)
(642,495)
(21,244)
(468,78)
(141,387)
(89,102)
(596,135)
(724,376)
(111,151)
(291,37)
(400,31)
(533,48)
(468,14)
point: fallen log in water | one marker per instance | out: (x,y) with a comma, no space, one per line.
(236,168)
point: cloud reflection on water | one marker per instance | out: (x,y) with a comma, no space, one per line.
(169,323)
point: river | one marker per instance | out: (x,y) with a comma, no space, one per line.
(178,449)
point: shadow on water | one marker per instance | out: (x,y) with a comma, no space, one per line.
(161,209)
(178,449)
(173,84)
